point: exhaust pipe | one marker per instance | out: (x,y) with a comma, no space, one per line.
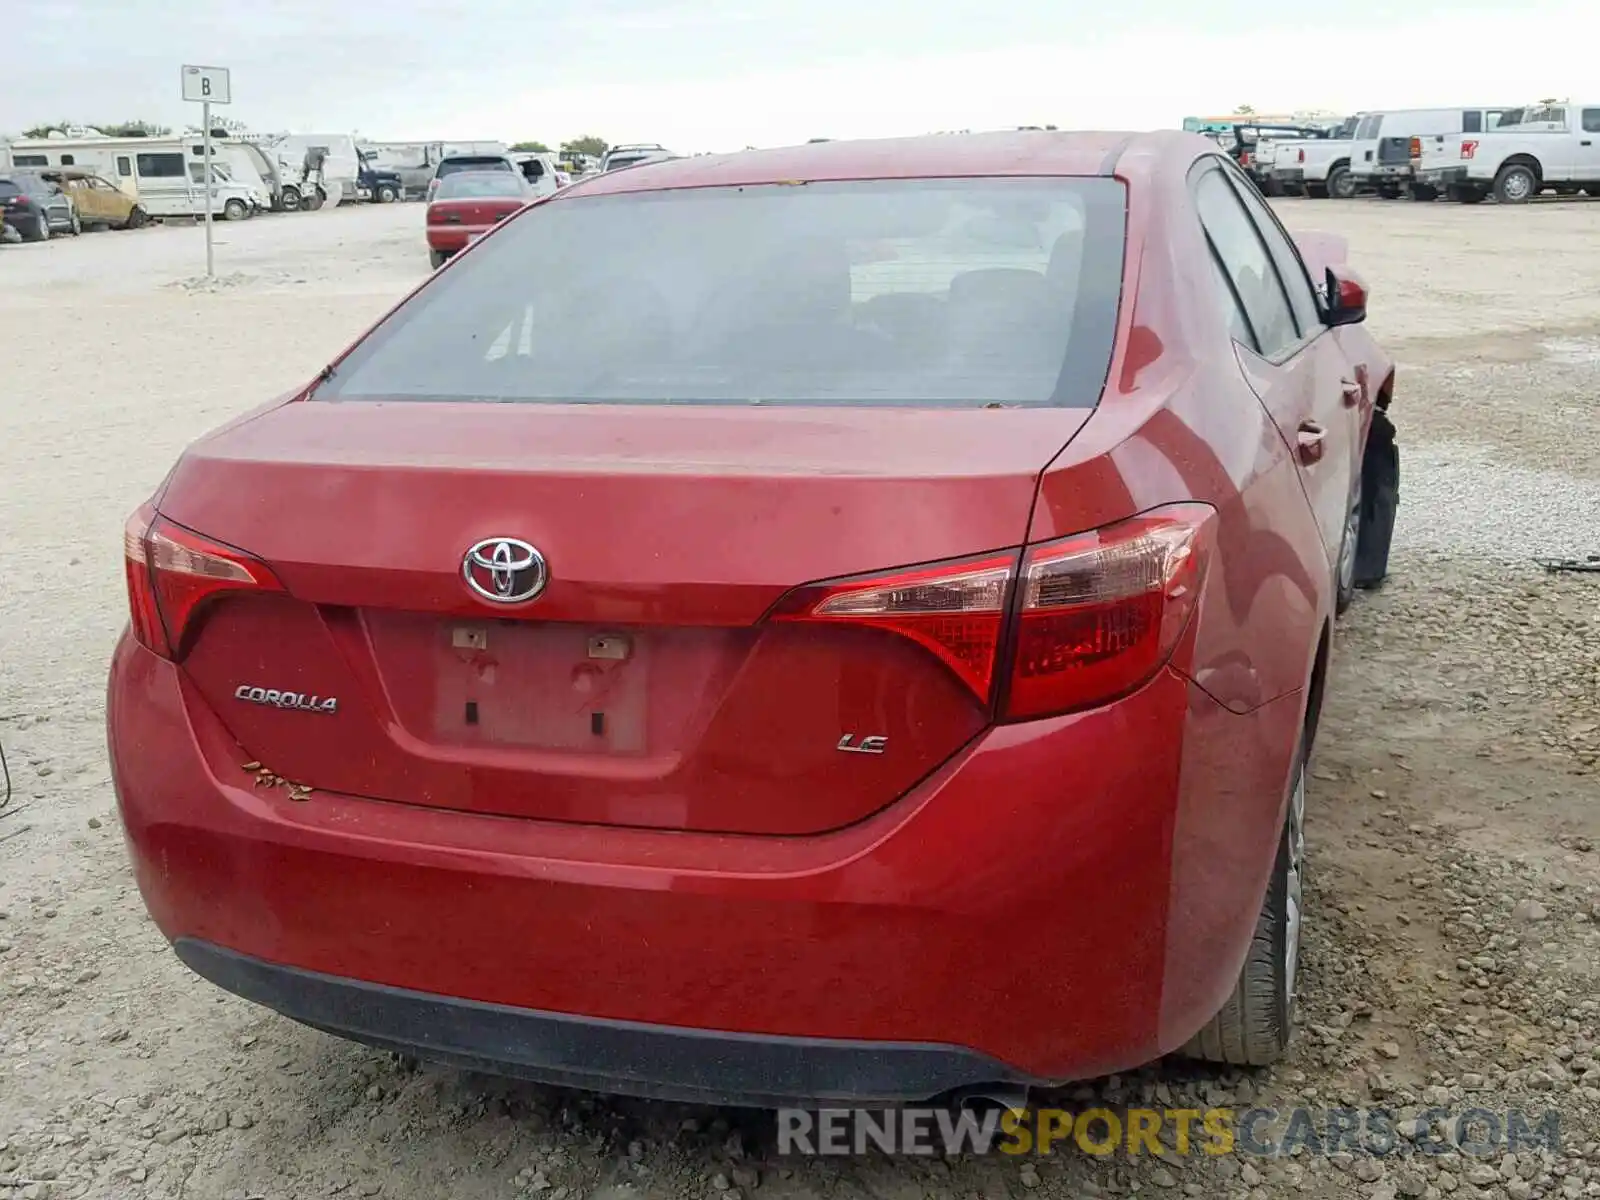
(1005,1097)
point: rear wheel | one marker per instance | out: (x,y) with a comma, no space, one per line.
(235,210)
(290,199)
(137,218)
(386,195)
(77,223)
(438,258)
(1317,191)
(1341,184)
(41,229)
(1424,191)
(1389,191)
(1254,1026)
(1515,184)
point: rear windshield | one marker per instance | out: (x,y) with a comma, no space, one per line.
(468,184)
(1369,126)
(7,188)
(946,293)
(451,165)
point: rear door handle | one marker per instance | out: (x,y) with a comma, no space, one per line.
(1309,438)
(1353,391)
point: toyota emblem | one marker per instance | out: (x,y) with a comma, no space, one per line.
(505,570)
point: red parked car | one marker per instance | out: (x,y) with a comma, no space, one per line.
(859,638)
(466,205)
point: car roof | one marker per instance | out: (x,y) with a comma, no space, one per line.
(971,155)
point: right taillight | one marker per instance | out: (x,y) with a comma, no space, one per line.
(1468,149)
(1098,613)
(173,572)
(1094,615)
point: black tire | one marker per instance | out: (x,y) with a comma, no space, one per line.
(1256,1023)
(1317,191)
(41,230)
(290,199)
(1592,190)
(235,210)
(1341,184)
(77,224)
(136,219)
(1466,194)
(1389,191)
(438,258)
(1424,192)
(314,201)
(386,195)
(1380,502)
(1517,183)
(1270,187)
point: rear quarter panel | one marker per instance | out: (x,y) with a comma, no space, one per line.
(1177,422)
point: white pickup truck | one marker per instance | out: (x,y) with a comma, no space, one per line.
(1316,167)
(1542,146)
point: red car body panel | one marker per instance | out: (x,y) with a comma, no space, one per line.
(1065,896)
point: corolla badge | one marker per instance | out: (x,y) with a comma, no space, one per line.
(505,570)
(281,698)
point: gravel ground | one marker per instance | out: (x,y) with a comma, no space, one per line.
(1454,934)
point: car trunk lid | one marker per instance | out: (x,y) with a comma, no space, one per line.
(643,686)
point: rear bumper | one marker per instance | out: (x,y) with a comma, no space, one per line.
(1288,174)
(1442,176)
(664,1062)
(1385,172)
(1063,899)
(450,238)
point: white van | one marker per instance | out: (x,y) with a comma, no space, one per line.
(1380,155)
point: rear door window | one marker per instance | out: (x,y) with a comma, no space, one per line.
(1250,268)
(1591,120)
(951,293)
(1291,268)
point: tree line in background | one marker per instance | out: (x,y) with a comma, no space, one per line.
(588,144)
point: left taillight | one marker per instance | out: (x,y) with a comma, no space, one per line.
(173,572)
(1088,618)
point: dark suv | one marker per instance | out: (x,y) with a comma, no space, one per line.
(36,208)
(467,162)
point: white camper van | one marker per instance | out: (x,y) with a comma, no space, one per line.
(164,174)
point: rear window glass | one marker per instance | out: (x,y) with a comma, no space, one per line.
(7,188)
(464,184)
(1369,126)
(452,165)
(904,293)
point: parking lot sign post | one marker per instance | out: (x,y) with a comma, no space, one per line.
(207,86)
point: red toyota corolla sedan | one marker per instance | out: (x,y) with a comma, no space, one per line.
(859,639)
(468,204)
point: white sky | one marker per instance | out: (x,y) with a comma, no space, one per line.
(718,75)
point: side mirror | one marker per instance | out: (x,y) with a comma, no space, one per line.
(1346,302)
